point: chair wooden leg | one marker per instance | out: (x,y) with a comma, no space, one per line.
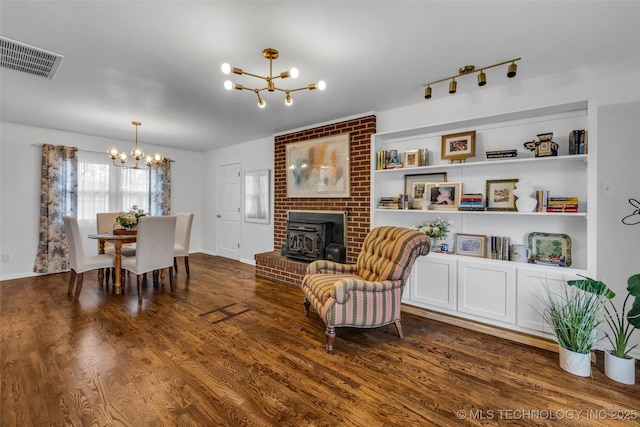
(101,276)
(78,286)
(72,279)
(331,336)
(171,277)
(399,328)
(155,277)
(186,265)
(139,287)
(175,264)
(107,275)
(307,304)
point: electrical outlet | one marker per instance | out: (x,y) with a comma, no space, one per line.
(607,189)
(6,257)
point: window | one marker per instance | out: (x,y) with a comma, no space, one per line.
(104,188)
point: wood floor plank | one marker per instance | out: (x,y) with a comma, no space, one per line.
(226,349)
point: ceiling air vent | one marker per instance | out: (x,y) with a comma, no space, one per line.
(28,59)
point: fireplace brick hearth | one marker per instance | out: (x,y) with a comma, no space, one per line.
(272,265)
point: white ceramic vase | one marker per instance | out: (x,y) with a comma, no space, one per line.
(575,363)
(619,369)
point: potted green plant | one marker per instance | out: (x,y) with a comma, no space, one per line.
(574,316)
(618,365)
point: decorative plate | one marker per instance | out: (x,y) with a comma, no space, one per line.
(550,249)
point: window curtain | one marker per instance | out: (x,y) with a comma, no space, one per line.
(58,197)
(160,189)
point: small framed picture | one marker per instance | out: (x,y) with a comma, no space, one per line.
(443,195)
(414,186)
(458,146)
(500,195)
(471,245)
(411,158)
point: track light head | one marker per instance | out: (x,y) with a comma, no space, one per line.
(427,92)
(511,71)
(482,78)
(453,86)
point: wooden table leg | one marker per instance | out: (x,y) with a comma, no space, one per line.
(101,271)
(116,275)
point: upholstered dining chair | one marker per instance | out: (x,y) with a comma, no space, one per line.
(78,260)
(367,294)
(183,239)
(106,222)
(154,248)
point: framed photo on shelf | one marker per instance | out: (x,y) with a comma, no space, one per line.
(414,186)
(458,146)
(411,158)
(471,245)
(443,195)
(500,195)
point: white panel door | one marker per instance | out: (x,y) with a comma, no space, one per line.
(487,289)
(228,216)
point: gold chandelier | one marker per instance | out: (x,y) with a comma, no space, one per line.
(469,69)
(270,54)
(137,154)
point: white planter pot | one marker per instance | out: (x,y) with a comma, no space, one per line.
(575,363)
(619,369)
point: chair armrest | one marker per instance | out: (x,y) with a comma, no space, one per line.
(344,286)
(322,266)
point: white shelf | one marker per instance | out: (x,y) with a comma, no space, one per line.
(508,213)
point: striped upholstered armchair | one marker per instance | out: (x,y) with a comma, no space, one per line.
(366,294)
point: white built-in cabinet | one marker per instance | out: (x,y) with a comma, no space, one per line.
(500,293)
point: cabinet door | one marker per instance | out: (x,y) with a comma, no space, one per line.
(531,288)
(434,282)
(487,289)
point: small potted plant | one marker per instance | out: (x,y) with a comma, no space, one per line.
(618,365)
(129,220)
(436,230)
(574,315)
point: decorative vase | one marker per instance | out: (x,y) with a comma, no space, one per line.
(575,363)
(620,369)
(524,201)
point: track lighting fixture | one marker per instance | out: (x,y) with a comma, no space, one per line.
(269,54)
(469,69)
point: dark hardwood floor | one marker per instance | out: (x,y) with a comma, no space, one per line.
(227,349)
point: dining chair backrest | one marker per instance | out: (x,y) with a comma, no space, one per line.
(154,243)
(106,221)
(74,240)
(183,233)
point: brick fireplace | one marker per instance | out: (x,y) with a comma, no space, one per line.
(276,267)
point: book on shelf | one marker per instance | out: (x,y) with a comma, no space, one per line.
(393,159)
(542,196)
(501,154)
(578,142)
(499,247)
(471,208)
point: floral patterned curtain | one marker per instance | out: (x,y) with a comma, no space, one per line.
(58,197)
(160,189)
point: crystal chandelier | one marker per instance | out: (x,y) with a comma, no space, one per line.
(137,154)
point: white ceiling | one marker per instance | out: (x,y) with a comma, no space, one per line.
(158,62)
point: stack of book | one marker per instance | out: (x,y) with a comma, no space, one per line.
(578,142)
(562,204)
(502,154)
(500,247)
(471,202)
(389,203)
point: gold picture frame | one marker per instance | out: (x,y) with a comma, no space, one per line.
(471,245)
(319,167)
(443,195)
(499,194)
(458,146)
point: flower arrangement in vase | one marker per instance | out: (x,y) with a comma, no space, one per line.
(437,230)
(129,220)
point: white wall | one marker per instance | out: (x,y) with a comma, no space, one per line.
(253,155)
(20,188)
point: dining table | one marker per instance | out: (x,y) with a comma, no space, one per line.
(118,240)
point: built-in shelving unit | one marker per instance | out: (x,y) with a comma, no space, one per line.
(496,292)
